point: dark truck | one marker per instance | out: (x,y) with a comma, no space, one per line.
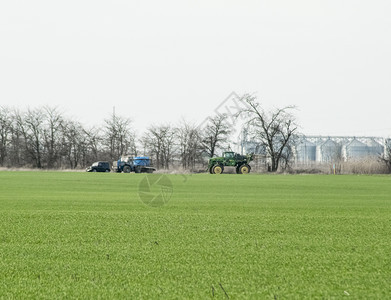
(99,166)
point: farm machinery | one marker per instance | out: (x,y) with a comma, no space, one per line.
(230,159)
(139,164)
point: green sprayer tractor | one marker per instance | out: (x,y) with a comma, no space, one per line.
(230,159)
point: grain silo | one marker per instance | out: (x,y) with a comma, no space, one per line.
(328,151)
(374,148)
(305,151)
(252,147)
(355,150)
(387,151)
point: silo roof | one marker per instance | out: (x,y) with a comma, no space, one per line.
(329,142)
(356,143)
(306,142)
(373,143)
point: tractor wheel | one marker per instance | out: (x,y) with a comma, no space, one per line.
(211,170)
(237,170)
(94,170)
(126,169)
(217,169)
(244,169)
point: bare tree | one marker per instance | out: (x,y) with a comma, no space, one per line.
(274,130)
(17,147)
(30,125)
(5,131)
(159,142)
(74,143)
(216,133)
(52,135)
(287,156)
(93,141)
(118,136)
(190,144)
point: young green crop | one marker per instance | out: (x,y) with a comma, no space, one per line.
(66,235)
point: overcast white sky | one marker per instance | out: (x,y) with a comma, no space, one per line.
(159,61)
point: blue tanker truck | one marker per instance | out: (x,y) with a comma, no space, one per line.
(138,164)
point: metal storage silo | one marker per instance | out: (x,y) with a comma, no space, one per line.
(356,150)
(260,149)
(329,151)
(247,147)
(253,147)
(374,148)
(306,151)
(387,150)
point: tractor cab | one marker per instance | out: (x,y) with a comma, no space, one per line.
(229,159)
(229,155)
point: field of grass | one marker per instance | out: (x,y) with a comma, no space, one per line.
(84,235)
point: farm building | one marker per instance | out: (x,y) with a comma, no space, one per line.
(322,149)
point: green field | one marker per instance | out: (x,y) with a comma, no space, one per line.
(84,235)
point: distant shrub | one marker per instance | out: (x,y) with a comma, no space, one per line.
(371,165)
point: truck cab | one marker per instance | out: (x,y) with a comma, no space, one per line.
(99,166)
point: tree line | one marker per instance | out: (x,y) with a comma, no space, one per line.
(44,137)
